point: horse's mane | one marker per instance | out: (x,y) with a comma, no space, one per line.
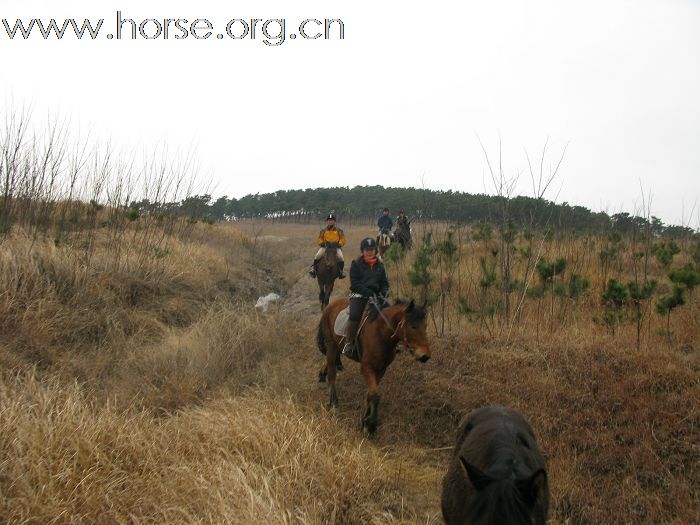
(502,500)
(415,314)
(503,442)
(499,502)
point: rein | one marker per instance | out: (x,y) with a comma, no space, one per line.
(401,324)
(395,331)
(379,310)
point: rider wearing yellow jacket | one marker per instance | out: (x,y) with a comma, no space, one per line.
(331,235)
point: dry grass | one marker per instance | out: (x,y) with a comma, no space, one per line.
(620,429)
(252,458)
(155,393)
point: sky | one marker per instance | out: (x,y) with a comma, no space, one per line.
(416,94)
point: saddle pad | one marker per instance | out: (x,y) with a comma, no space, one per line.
(341,321)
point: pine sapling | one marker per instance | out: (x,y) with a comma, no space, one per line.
(667,303)
(614,299)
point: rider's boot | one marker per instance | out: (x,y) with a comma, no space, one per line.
(314,268)
(350,338)
(341,265)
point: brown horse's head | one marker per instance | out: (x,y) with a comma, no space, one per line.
(412,328)
(497,473)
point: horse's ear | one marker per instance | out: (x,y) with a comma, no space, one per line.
(411,305)
(531,488)
(478,479)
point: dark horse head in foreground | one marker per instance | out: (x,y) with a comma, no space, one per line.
(404,323)
(328,271)
(497,474)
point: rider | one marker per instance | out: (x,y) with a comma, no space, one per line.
(367,279)
(402,220)
(384,222)
(330,235)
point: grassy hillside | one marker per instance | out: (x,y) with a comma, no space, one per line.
(142,386)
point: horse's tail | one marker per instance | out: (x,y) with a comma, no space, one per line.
(320,340)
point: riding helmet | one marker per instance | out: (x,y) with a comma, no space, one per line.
(331,216)
(368,242)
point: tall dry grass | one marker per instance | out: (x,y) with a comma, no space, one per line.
(459,285)
(58,313)
(153,392)
(257,457)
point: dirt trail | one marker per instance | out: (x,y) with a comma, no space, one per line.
(301,301)
(416,424)
(403,434)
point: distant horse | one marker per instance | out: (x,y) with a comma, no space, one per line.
(326,274)
(404,322)
(403,235)
(384,241)
(497,474)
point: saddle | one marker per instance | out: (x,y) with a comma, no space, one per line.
(341,322)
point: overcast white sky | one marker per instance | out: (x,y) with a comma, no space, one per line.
(401,100)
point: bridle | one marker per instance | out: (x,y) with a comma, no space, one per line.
(401,324)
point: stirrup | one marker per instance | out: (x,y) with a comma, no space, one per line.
(348,349)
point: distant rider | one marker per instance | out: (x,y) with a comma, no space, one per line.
(367,279)
(330,235)
(402,221)
(384,222)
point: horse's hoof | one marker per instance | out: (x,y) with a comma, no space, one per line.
(368,429)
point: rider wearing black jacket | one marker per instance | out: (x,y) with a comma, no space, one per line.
(367,279)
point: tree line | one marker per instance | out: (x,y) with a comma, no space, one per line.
(364,203)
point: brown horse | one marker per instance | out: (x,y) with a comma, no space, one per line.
(497,474)
(401,323)
(383,241)
(326,274)
(402,234)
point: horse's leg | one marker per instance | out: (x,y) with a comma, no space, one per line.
(326,295)
(330,368)
(322,374)
(329,291)
(321,295)
(369,419)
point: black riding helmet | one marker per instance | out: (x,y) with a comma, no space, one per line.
(368,242)
(331,217)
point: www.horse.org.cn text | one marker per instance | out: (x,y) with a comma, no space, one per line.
(270,31)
